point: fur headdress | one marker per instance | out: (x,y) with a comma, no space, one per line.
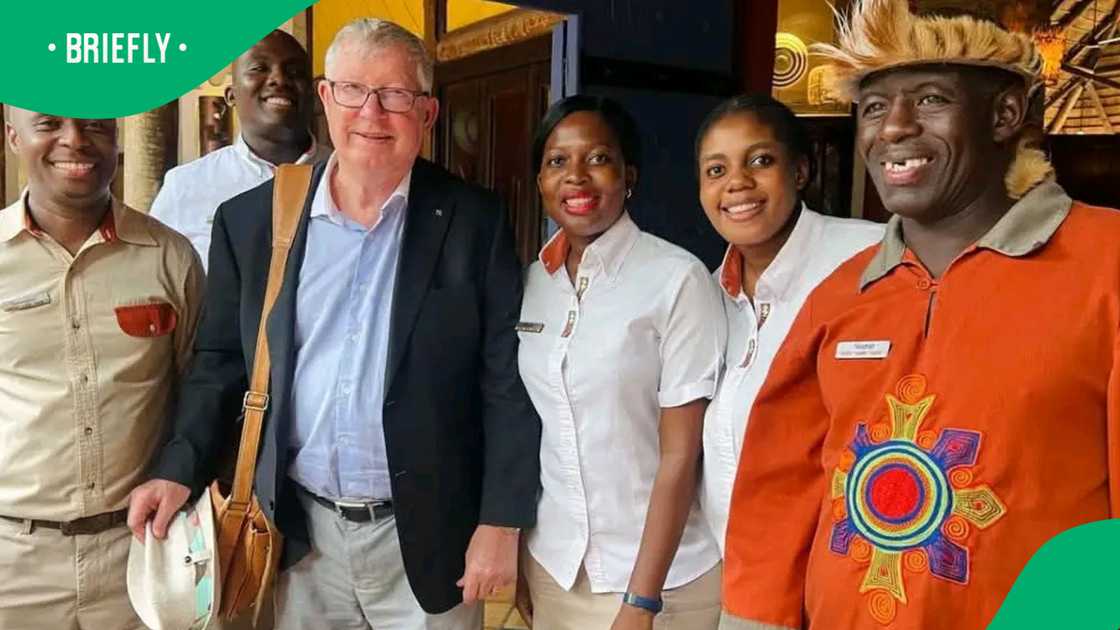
(883,34)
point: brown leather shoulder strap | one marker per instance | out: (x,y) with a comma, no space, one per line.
(288,197)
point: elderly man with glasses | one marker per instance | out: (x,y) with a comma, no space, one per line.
(400,452)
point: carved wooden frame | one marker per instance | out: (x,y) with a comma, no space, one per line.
(515,26)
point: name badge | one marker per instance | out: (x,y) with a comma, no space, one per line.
(529,327)
(25,302)
(863,349)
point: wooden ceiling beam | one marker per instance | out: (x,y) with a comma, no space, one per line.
(1091,76)
(1074,13)
(1061,92)
(1067,108)
(1096,98)
(1095,34)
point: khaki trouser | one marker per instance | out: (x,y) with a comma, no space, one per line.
(694,606)
(55,582)
(354,579)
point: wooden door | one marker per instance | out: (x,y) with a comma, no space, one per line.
(492,103)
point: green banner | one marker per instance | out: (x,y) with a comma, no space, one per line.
(109,59)
(1072,582)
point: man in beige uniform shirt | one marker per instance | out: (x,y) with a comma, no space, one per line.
(98,305)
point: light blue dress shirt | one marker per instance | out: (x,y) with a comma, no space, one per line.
(343,307)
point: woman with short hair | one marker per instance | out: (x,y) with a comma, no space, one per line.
(753,162)
(621,345)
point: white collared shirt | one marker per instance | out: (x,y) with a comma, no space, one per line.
(815,248)
(192,192)
(641,330)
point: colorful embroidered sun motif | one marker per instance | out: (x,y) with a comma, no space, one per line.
(903,497)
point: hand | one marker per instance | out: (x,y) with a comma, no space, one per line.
(157,497)
(522,601)
(491,562)
(632,618)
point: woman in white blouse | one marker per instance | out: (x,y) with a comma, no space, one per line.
(753,160)
(621,343)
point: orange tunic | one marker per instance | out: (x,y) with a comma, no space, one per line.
(918,439)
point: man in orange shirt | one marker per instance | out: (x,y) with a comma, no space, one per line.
(948,400)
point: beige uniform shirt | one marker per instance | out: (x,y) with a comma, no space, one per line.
(91,348)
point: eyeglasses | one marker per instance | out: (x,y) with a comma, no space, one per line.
(354,95)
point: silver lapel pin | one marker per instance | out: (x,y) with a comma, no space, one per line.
(439,212)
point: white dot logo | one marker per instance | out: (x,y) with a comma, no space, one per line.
(182,48)
(51,47)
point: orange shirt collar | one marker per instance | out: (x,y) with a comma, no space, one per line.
(610,249)
(731,272)
(555,252)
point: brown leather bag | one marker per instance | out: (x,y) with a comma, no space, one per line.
(248,543)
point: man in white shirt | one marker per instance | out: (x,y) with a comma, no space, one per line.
(272,94)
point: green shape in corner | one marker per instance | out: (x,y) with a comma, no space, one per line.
(1072,582)
(199,38)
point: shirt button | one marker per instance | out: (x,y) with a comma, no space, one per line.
(91,485)
(89,431)
(84,378)
(924,284)
(75,324)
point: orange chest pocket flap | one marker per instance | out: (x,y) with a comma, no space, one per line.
(147,320)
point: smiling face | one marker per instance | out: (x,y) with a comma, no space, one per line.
(272,87)
(68,160)
(583,176)
(931,139)
(749,181)
(369,137)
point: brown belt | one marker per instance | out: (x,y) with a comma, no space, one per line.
(81,527)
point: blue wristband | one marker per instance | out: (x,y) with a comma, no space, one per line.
(637,601)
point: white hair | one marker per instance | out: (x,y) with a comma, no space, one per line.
(365,36)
